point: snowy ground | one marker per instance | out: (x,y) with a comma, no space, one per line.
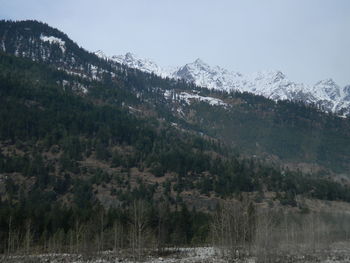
(181,255)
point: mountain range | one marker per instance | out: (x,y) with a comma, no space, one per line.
(275,85)
(325,94)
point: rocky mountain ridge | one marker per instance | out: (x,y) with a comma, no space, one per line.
(273,84)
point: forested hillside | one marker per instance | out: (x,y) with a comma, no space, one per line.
(291,134)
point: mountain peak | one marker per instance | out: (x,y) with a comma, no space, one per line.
(279,74)
(326,82)
(199,61)
(100,54)
(130,55)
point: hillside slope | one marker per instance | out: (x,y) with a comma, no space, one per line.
(286,133)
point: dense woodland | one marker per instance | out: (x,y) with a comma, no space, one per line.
(66,153)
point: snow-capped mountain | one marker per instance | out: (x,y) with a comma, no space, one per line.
(132,61)
(326,94)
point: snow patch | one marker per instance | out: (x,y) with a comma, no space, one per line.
(212,101)
(188,98)
(101,54)
(73,73)
(54,40)
(94,71)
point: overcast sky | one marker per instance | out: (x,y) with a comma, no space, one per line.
(308,40)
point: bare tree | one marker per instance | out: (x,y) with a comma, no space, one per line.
(118,236)
(139,226)
(162,228)
(101,236)
(266,242)
(28,236)
(9,240)
(233,227)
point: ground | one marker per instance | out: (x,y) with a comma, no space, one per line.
(337,254)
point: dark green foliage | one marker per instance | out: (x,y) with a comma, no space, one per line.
(82,194)
(291,131)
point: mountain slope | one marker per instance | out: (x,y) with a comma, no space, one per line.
(289,134)
(52,136)
(39,42)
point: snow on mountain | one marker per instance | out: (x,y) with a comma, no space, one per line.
(271,84)
(204,76)
(54,40)
(3,48)
(133,61)
(187,97)
(101,54)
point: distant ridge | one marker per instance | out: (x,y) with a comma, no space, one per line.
(272,84)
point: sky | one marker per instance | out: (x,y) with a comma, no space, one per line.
(308,40)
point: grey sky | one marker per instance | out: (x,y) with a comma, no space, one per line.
(308,40)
